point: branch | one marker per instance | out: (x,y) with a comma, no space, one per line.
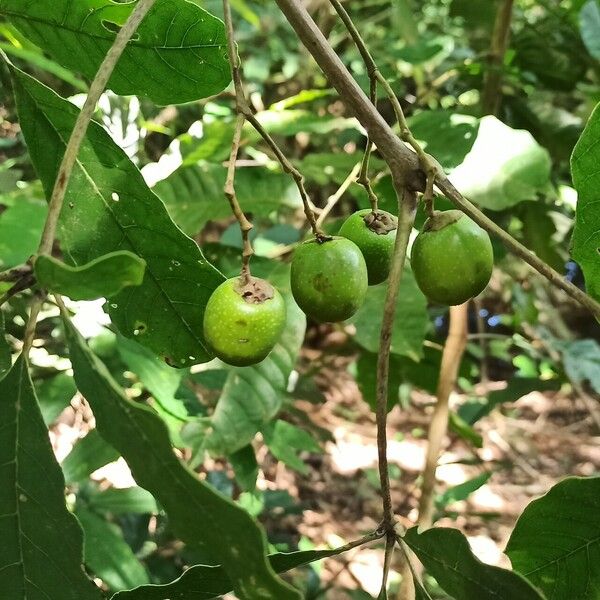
(492,95)
(77,135)
(451,359)
(407,210)
(243,108)
(404,164)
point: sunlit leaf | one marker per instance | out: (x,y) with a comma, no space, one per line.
(504,167)
(88,454)
(118,501)
(285,441)
(585,168)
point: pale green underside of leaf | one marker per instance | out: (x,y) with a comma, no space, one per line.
(446,555)
(203,582)
(585,168)
(108,207)
(194,194)
(197,513)
(102,277)
(504,167)
(410,323)
(177,55)
(252,396)
(41,541)
(556,541)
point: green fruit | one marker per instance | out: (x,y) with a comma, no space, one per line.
(329,278)
(375,234)
(452,258)
(243,322)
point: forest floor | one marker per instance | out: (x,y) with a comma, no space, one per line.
(527,447)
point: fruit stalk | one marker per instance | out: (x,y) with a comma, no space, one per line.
(63,176)
(406,215)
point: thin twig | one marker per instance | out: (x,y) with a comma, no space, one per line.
(404,164)
(245,225)
(451,359)
(410,571)
(25,282)
(390,543)
(16,273)
(335,198)
(407,209)
(97,87)
(243,108)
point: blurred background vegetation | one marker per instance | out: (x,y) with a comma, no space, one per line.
(300,453)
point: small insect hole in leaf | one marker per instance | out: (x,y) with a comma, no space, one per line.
(115,28)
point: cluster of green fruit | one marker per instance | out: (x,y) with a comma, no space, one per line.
(452,261)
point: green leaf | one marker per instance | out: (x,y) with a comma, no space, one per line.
(108,207)
(198,514)
(327,167)
(54,395)
(516,388)
(245,467)
(410,324)
(556,541)
(504,167)
(107,554)
(366,378)
(285,440)
(35,523)
(252,396)
(194,195)
(178,42)
(5,353)
(582,362)
(20,229)
(123,501)
(102,277)
(461,491)
(586,179)
(464,430)
(589,24)
(88,454)
(203,582)
(446,555)
(448,136)
(538,232)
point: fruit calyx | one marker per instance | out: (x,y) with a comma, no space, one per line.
(254,290)
(380,222)
(441,219)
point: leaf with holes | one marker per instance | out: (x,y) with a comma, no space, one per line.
(197,513)
(35,561)
(177,55)
(102,277)
(252,396)
(446,555)
(556,541)
(108,207)
(586,179)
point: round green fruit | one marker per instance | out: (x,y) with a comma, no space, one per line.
(452,258)
(243,322)
(329,278)
(375,234)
